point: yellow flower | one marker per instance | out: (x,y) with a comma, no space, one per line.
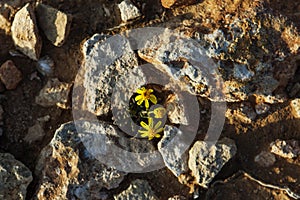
(151,130)
(159,112)
(145,95)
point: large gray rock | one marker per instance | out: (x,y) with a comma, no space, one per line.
(67,170)
(206,161)
(25,33)
(138,190)
(174,156)
(14,178)
(55,24)
(105,61)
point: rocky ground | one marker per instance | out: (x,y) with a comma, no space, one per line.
(61,62)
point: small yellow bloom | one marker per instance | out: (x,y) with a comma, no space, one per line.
(159,112)
(145,95)
(151,130)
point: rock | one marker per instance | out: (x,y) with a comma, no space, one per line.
(174,157)
(172,3)
(45,66)
(101,75)
(241,72)
(128,10)
(265,159)
(206,161)
(244,113)
(176,111)
(14,178)
(54,93)
(10,75)
(4,23)
(295,106)
(286,149)
(137,190)
(25,33)
(35,133)
(67,170)
(261,108)
(177,197)
(55,24)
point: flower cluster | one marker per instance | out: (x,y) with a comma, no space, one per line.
(154,126)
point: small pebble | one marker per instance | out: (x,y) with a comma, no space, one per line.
(10,75)
(295,106)
(261,108)
(45,66)
(265,159)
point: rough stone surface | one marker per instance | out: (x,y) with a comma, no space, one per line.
(176,111)
(14,178)
(35,133)
(295,106)
(128,10)
(10,75)
(172,3)
(265,159)
(67,170)
(177,197)
(205,162)
(54,93)
(175,159)
(262,108)
(138,190)
(101,75)
(25,32)
(55,24)
(286,149)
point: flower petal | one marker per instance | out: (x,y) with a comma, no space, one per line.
(160,130)
(144,125)
(146,103)
(141,90)
(140,102)
(153,99)
(157,125)
(139,97)
(144,135)
(157,135)
(150,90)
(150,122)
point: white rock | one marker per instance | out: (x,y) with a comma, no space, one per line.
(206,161)
(128,10)
(55,24)
(25,33)
(174,156)
(242,72)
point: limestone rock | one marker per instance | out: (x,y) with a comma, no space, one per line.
(174,156)
(206,161)
(54,93)
(10,75)
(67,170)
(128,10)
(295,106)
(286,149)
(138,190)
(265,159)
(25,32)
(55,24)
(14,178)
(105,61)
